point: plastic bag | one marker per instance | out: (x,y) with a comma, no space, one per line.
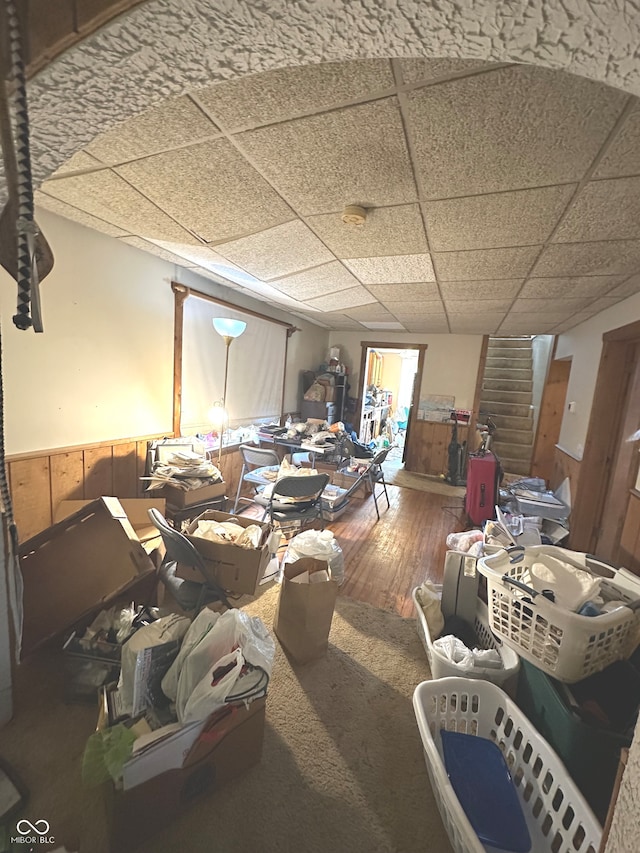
(428,596)
(320,544)
(235,639)
(463,541)
(466,659)
(199,628)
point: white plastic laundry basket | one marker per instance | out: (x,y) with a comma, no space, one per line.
(441,666)
(558,817)
(563,644)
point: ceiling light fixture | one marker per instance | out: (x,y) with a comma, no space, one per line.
(353,214)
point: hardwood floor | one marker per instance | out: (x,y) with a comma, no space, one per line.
(385,560)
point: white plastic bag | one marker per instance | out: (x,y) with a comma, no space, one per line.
(463,541)
(199,628)
(467,659)
(320,544)
(235,631)
(429,598)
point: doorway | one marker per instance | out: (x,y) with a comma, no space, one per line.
(389,378)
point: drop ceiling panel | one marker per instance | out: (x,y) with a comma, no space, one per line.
(277,251)
(519,218)
(472,290)
(173,123)
(508,129)
(81,161)
(158,251)
(393,326)
(428,325)
(603,210)
(628,288)
(406,310)
(422,291)
(576,259)
(478,306)
(342,300)
(603,304)
(278,95)
(369,313)
(486,324)
(337,321)
(107,196)
(54,205)
(586,286)
(320,164)
(556,307)
(387,231)
(394,269)
(485,263)
(197,255)
(542,316)
(323,280)
(210,189)
(529,327)
(623,155)
(428,70)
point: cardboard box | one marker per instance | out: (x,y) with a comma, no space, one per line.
(237,569)
(200,759)
(179,498)
(76,566)
(137,510)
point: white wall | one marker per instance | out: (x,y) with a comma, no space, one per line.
(103,368)
(584,345)
(450,365)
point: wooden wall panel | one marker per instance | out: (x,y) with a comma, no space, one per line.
(31,495)
(67,477)
(125,470)
(98,472)
(629,549)
(428,452)
(564,466)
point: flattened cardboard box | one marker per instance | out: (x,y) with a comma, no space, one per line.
(137,510)
(229,742)
(235,569)
(180,498)
(76,566)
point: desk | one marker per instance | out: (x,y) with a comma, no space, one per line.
(296,445)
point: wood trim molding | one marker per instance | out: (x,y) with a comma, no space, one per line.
(55,451)
(190,291)
(180,294)
(630,332)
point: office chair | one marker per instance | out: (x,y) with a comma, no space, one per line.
(308,488)
(189,594)
(252,458)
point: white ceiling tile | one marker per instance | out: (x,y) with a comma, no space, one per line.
(274,96)
(569,287)
(469,290)
(603,210)
(577,259)
(387,231)
(485,324)
(485,263)
(512,128)
(429,70)
(154,249)
(519,218)
(342,300)
(328,278)
(384,326)
(79,162)
(54,205)
(105,195)
(603,303)
(623,155)
(542,316)
(373,311)
(338,321)
(629,288)
(201,256)
(559,307)
(278,251)
(528,327)
(395,269)
(428,325)
(210,189)
(356,155)
(421,291)
(476,306)
(174,122)
(410,308)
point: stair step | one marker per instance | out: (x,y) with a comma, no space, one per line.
(507,385)
(514,466)
(509,363)
(514,410)
(512,451)
(505,396)
(516,354)
(514,436)
(510,342)
(508,373)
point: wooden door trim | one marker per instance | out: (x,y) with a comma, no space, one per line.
(413,409)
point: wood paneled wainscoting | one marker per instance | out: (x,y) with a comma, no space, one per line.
(428,449)
(565,465)
(40,480)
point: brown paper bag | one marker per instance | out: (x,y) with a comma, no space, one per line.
(305,610)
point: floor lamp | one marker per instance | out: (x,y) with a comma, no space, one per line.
(228,329)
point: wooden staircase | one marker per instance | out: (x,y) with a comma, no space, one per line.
(506,397)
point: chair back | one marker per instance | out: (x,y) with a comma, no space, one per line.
(258,457)
(178,547)
(310,487)
(380,456)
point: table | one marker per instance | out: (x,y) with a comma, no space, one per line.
(296,445)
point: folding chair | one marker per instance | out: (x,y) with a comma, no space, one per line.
(189,594)
(308,504)
(252,458)
(375,474)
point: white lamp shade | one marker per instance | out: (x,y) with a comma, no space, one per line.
(227,327)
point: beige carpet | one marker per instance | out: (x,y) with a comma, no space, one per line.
(342,769)
(422,482)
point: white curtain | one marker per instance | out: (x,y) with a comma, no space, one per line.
(256,367)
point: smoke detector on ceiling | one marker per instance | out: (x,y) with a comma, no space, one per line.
(354,215)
